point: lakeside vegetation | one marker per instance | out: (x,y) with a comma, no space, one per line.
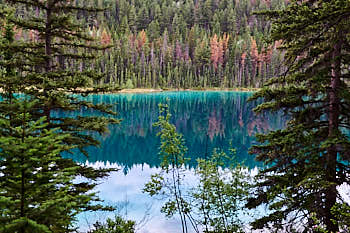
(149,90)
(50,49)
(187,44)
(178,44)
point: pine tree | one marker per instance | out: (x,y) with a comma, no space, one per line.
(132,19)
(60,40)
(142,18)
(124,26)
(208,17)
(154,30)
(309,159)
(38,188)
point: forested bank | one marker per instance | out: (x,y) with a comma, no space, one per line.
(48,52)
(180,44)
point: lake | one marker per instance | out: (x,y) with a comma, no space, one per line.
(207,120)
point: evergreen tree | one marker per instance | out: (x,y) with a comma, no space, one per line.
(142,18)
(39,191)
(124,26)
(309,159)
(132,19)
(153,30)
(61,61)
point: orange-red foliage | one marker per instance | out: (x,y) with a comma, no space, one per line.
(244,55)
(254,50)
(141,40)
(105,38)
(214,50)
(218,47)
(132,39)
(225,38)
(215,126)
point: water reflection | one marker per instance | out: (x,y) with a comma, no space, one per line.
(207,120)
(124,192)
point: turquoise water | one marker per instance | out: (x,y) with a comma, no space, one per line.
(207,120)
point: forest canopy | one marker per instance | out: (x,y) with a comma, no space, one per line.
(182,44)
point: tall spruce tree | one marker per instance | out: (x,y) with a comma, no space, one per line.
(309,159)
(61,64)
(39,191)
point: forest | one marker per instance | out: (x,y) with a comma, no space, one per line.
(58,58)
(182,44)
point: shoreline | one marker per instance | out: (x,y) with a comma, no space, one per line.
(152,90)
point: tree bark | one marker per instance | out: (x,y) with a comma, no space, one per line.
(48,52)
(333,121)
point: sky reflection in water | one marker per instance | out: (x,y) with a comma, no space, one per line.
(207,120)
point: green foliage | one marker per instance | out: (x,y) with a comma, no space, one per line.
(116,225)
(39,189)
(31,166)
(221,193)
(215,202)
(172,148)
(316,224)
(128,84)
(168,24)
(43,63)
(308,159)
(342,213)
(170,180)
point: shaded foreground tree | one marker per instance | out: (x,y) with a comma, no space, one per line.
(59,56)
(309,159)
(40,191)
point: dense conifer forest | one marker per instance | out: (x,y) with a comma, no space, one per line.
(182,44)
(55,53)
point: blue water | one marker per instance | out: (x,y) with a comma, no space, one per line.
(207,120)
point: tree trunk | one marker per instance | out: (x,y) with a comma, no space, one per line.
(333,121)
(48,53)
